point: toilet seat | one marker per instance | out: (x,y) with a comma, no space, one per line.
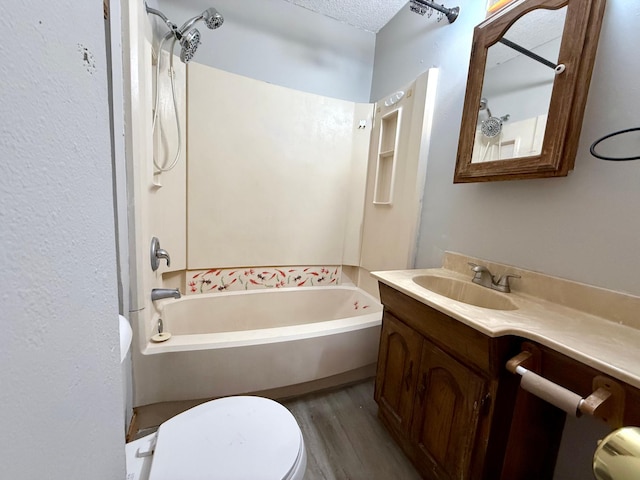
(233,438)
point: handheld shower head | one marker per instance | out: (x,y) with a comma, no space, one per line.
(189,43)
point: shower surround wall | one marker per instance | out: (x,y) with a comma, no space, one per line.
(157,202)
(270,174)
(400,140)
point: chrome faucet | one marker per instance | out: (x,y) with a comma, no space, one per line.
(482,276)
(160,293)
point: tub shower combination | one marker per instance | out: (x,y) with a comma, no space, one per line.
(232,342)
(246,341)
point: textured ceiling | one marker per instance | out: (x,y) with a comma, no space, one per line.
(369,15)
(536,28)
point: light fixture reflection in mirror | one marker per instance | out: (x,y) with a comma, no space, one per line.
(518,78)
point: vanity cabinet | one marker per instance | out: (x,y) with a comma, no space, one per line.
(445,396)
(435,385)
(450,399)
(430,397)
(397,373)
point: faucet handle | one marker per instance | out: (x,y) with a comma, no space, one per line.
(477,268)
(503,282)
(158,253)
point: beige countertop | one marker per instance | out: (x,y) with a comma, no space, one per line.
(608,341)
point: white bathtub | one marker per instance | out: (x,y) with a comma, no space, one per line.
(240,342)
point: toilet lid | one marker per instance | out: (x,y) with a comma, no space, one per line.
(234,438)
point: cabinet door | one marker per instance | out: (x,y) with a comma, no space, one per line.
(449,398)
(397,373)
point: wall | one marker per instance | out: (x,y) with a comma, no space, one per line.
(118,158)
(281,43)
(269,173)
(583,227)
(400,139)
(61,405)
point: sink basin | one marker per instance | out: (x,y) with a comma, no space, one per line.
(465,292)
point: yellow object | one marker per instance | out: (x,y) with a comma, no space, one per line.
(498,5)
(618,455)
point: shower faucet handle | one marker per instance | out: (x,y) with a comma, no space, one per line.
(158,253)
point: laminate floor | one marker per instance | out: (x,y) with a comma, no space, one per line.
(344,438)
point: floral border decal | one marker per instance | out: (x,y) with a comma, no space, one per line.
(235,279)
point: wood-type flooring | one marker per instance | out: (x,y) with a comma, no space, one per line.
(344,438)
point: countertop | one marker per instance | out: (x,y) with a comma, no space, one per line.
(610,345)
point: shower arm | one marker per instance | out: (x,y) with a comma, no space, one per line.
(172,26)
(450,13)
(189,23)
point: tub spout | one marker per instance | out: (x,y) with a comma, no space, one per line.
(160,293)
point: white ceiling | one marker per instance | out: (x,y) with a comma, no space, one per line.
(531,31)
(369,15)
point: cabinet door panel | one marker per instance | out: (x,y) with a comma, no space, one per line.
(448,402)
(397,373)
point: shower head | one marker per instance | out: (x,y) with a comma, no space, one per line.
(211,17)
(492,126)
(188,36)
(189,43)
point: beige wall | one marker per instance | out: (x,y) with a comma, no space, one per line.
(168,189)
(158,207)
(390,227)
(270,174)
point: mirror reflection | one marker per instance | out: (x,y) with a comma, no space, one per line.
(517,87)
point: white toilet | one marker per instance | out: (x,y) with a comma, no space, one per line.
(233,438)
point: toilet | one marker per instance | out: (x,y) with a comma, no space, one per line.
(232,438)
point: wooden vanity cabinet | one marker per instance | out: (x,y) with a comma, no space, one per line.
(450,398)
(437,385)
(397,373)
(444,394)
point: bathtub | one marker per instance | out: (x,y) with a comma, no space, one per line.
(241,342)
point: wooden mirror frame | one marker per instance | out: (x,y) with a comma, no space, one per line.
(568,98)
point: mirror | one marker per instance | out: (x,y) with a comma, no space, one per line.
(518,81)
(528,81)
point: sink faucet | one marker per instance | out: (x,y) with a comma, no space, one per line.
(482,276)
(160,293)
